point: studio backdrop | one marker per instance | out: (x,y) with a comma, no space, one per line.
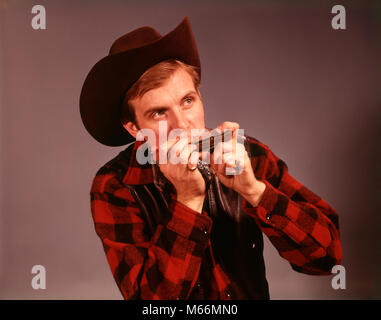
(291,73)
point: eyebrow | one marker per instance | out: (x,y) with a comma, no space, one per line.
(163,108)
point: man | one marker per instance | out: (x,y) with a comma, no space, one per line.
(177,230)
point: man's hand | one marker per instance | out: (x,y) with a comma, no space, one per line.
(224,159)
(189,184)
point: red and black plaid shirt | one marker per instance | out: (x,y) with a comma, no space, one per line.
(302,226)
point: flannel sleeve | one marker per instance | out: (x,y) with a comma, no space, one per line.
(164,265)
(303,227)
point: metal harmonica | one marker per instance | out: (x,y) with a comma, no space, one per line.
(208,143)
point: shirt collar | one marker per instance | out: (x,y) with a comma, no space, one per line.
(141,174)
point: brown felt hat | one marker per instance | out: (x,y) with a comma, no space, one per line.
(130,56)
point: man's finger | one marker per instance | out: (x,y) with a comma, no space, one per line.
(229,159)
(227,125)
(194,156)
(176,150)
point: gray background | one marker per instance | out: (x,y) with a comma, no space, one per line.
(276,67)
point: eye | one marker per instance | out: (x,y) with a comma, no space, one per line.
(188,101)
(158,114)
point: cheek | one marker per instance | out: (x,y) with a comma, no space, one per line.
(201,118)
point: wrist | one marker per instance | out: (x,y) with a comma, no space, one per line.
(254,195)
(195,202)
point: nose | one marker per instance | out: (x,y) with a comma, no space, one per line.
(179,120)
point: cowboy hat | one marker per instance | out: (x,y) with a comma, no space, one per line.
(110,78)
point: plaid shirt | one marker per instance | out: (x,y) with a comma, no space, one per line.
(166,265)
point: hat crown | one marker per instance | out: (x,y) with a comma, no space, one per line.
(134,39)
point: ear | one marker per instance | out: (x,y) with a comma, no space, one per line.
(131,128)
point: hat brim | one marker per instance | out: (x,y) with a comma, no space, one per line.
(104,87)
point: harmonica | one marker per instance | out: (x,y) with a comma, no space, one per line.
(209,142)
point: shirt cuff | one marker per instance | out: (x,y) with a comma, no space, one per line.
(273,202)
(188,222)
